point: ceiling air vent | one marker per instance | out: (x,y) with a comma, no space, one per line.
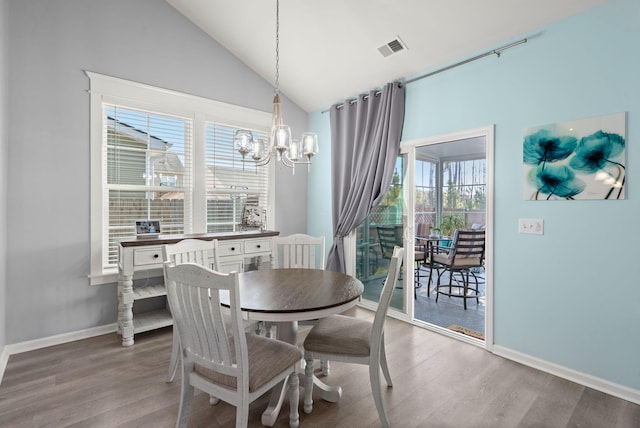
(394,46)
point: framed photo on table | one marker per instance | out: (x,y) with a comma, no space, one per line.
(254,216)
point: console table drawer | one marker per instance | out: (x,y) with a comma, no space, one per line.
(147,256)
(255,246)
(231,248)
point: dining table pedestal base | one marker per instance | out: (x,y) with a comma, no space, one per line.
(288,332)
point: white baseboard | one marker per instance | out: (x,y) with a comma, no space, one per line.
(59,339)
(620,391)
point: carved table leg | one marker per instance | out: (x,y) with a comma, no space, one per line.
(126,317)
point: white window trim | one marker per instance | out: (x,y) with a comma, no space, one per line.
(113,90)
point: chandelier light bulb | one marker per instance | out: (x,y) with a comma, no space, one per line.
(294,151)
(309,144)
(257,151)
(243,141)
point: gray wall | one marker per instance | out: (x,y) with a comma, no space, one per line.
(51,42)
(4,118)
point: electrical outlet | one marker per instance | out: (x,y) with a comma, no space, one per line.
(533,226)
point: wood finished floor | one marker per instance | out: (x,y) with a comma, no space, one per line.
(438,382)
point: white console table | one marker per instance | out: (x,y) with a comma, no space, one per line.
(139,254)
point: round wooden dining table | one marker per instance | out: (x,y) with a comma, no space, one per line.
(286,296)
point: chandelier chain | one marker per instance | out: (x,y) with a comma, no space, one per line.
(288,152)
(277,46)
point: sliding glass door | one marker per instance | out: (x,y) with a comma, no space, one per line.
(440,184)
(450,194)
(372,252)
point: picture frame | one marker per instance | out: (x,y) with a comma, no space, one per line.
(253,216)
(576,160)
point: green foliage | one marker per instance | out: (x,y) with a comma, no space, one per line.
(392,197)
(450,222)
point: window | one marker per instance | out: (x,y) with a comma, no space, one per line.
(464,185)
(162,155)
(426,194)
(143,148)
(231,184)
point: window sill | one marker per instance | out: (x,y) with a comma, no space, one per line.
(106,277)
(110,276)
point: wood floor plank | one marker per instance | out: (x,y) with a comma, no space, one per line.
(437,382)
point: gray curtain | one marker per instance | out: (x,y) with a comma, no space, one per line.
(365,142)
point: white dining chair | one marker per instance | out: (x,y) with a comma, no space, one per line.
(198,251)
(222,360)
(298,251)
(352,340)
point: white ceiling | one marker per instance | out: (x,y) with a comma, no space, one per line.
(329,48)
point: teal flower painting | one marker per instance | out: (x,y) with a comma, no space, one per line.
(582,159)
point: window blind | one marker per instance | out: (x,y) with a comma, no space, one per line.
(149,174)
(231,184)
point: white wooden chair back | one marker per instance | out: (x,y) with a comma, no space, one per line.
(194,295)
(395,265)
(215,349)
(335,338)
(298,251)
(198,251)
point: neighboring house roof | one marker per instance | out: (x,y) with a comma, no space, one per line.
(163,162)
(133,132)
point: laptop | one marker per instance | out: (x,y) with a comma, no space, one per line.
(147,228)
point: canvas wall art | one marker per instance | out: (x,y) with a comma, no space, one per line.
(581,159)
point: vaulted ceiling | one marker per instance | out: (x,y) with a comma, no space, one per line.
(329,49)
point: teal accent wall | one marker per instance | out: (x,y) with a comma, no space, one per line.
(569,297)
(319,193)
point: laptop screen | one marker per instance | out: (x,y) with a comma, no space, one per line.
(147,227)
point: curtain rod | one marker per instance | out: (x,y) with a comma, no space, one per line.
(496,52)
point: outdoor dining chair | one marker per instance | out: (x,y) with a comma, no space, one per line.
(465,253)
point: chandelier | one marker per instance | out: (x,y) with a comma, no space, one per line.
(288,151)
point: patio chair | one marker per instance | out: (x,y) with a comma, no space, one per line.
(389,237)
(421,252)
(353,340)
(224,361)
(465,253)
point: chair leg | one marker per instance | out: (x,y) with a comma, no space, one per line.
(465,287)
(374,377)
(186,398)
(294,400)
(175,356)
(308,386)
(242,413)
(475,278)
(438,284)
(383,364)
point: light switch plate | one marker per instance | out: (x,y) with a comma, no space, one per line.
(533,226)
